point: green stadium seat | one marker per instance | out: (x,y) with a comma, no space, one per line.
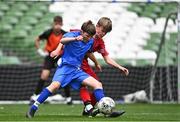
(43,8)
(151,15)
(152,47)
(15,13)
(24,27)
(1,53)
(1,14)
(35,14)
(10,20)
(18,34)
(144,62)
(136,9)
(4,60)
(10,3)
(38,31)
(142,5)
(29,43)
(124,62)
(29,20)
(4,7)
(21,34)
(4,28)
(23,7)
(168,8)
(153,8)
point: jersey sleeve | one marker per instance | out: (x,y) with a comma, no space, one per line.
(45,34)
(63,31)
(69,34)
(103,50)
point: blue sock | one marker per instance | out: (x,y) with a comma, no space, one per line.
(98,93)
(43,96)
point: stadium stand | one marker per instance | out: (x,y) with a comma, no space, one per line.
(138,25)
(18,20)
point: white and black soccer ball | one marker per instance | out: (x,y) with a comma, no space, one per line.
(106,105)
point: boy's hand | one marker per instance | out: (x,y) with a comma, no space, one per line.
(125,71)
(42,52)
(78,38)
(98,67)
(54,54)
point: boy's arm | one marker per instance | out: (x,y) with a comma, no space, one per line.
(64,40)
(57,51)
(93,58)
(113,63)
(70,39)
(39,50)
(37,42)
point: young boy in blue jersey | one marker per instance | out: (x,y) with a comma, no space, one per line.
(76,45)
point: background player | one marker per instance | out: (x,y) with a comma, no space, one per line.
(52,36)
(69,72)
(104,25)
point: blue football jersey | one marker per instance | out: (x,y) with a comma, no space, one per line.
(75,51)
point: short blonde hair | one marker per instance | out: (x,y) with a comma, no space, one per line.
(105,23)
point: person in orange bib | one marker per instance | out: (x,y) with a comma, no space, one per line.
(52,37)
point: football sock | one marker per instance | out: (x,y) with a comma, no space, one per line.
(93,99)
(85,95)
(67,91)
(98,93)
(43,96)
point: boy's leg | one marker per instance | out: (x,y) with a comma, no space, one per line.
(44,77)
(96,85)
(67,95)
(84,93)
(85,97)
(93,99)
(47,66)
(43,96)
(98,91)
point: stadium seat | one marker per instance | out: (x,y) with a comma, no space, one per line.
(1,53)
(1,14)
(5,27)
(4,7)
(144,62)
(29,20)
(9,60)
(136,9)
(133,25)
(35,14)
(10,20)
(18,34)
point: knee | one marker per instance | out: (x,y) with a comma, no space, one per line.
(44,76)
(53,86)
(98,85)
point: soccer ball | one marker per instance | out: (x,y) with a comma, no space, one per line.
(106,105)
